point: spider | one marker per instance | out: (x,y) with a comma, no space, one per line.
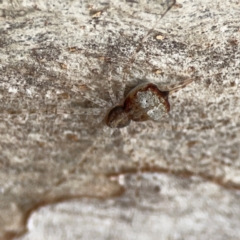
(144,102)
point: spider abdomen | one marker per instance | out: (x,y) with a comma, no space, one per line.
(146,102)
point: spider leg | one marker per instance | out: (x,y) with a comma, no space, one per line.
(110,89)
(128,66)
(96,100)
(175,87)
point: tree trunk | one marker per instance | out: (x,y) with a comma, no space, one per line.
(64,65)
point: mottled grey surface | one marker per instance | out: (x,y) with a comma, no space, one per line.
(63,65)
(160,207)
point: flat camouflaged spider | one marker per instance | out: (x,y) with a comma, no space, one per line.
(147,101)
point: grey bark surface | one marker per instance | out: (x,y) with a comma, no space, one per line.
(64,174)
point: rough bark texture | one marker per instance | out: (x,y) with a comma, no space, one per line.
(63,65)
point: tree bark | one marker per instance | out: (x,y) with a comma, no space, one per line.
(64,65)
